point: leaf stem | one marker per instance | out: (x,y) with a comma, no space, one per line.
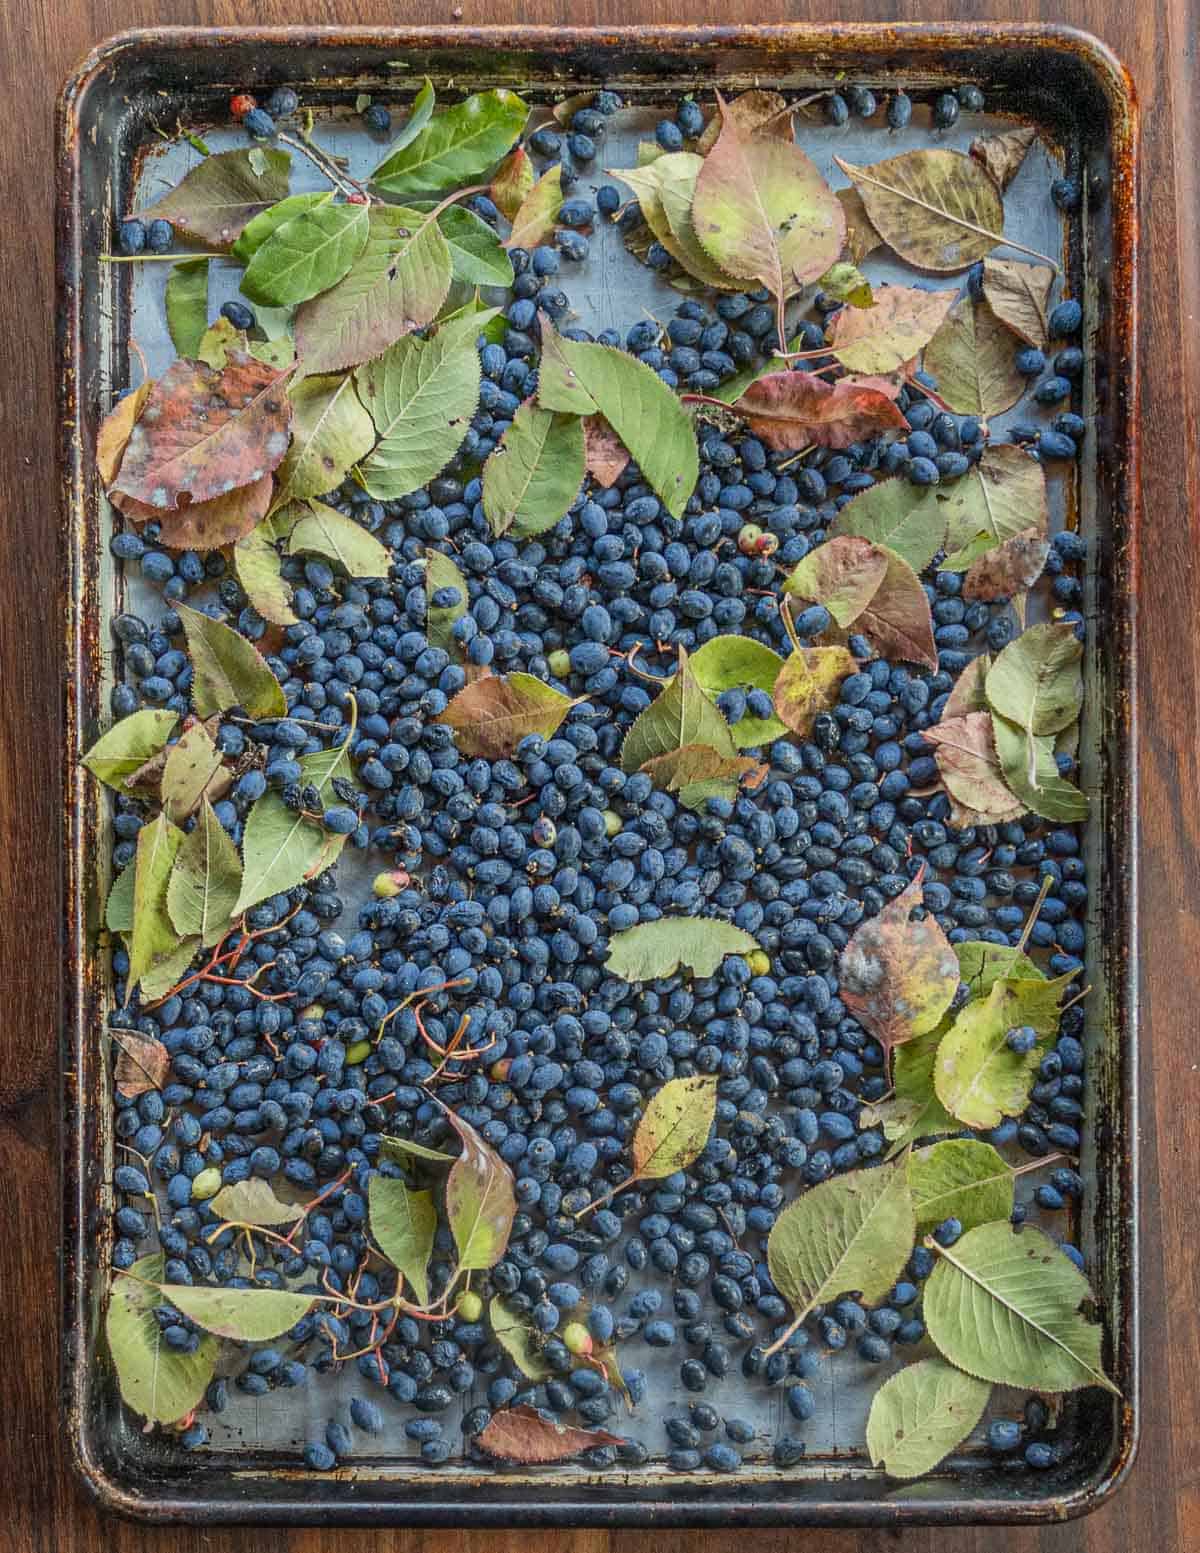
(1033,914)
(606,1196)
(785,611)
(787,1335)
(1036,1164)
(474,188)
(317,157)
(721,404)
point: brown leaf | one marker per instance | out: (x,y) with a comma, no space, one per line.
(492,716)
(968,694)
(888,384)
(204,525)
(970,768)
(844,574)
(861,236)
(756,112)
(1014,565)
(1019,295)
(605,453)
(1003,154)
(809,682)
(203,433)
(897,622)
(143,1063)
(884,337)
(511,182)
(897,975)
(696,763)
(115,429)
(524,1435)
(793,409)
(937,208)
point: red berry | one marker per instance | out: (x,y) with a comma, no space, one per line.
(241,105)
(356,199)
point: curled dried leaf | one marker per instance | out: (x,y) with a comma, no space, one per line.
(524,1435)
(756,112)
(1003,154)
(937,208)
(1019,295)
(605,455)
(143,1063)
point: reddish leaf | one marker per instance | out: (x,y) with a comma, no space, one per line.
(143,1063)
(970,768)
(882,338)
(511,182)
(203,433)
(605,453)
(1011,567)
(898,976)
(524,1435)
(793,409)
(114,431)
(844,574)
(888,384)
(535,220)
(897,622)
(204,525)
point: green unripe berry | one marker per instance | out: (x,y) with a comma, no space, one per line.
(470,1306)
(390,883)
(576,1338)
(612,823)
(759,962)
(559,663)
(358,1052)
(206,1184)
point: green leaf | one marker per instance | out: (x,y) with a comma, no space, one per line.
(959,1179)
(1004,1305)
(253,1202)
(421,394)
(518,1339)
(128,745)
(921,1414)
(406,1146)
(652,950)
(322,531)
(118,909)
(228,670)
(246,1315)
(164,973)
(978,1077)
(1044,791)
(674,1127)
(331,431)
(455,147)
(810,682)
(909,519)
(666,190)
(492,715)
(205,881)
(852,1233)
(153,937)
(186,302)
(916,1110)
(982,965)
(538,211)
(847,283)
(763,212)
(937,208)
(419,115)
(511,182)
(259,570)
(215,201)
(649,419)
(476,253)
(1037,681)
(972,357)
(1001,496)
(396,285)
(844,574)
(898,975)
(441,572)
(193,770)
(480,1199)
(680,715)
(739,662)
(158,1382)
(255,233)
(534,473)
(403,1224)
(307,254)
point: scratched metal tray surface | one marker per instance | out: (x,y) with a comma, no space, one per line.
(111,159)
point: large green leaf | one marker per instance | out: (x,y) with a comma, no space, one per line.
(938,208)
(973,360)
(476,253)
(215,201)
(909,519)
(674,1127)
(582,379)
(193,770)
(206,880)
(652,950)
(1037,681)
(331,431)
(153,938)
(919,1415)
(255,233)
(307,254)
(680,715)
(1001,496)
(982,965)
(248,1315)
(455,146)
(960,1179)
(1003,1304)
(915,1112)
(480,1200)
(666,189)
(228,671)
(186,304)
(128,745)
(977,1075)
(729,662)
(322,531)
(534,473)
(160,1383)
(403,1224)
(1043,789)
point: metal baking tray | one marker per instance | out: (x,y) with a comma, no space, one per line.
(1081,101)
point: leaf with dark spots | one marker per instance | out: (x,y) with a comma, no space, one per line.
(493,715)
(809,682)
(605,455)
(143,1063)
(331,432)
(204,525)
(1002,154)
(480,1199)
(790,410)
(674,1127)
(203,433)
(213,202)
(844,574)
(898,975)
(936,207)
(1011,567)
(885,337)
(970,768)
(524,1435)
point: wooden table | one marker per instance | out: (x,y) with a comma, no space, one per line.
(40,1506)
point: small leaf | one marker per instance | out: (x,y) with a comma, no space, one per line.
(164,973)
(307,254)
(1044,791)
(259,570)
(739,662)
(1004,1305)
(160,1383)
(477,256)
(204,525)
(584,379)
(223,193)
(861,236)
(218,341)
(480,1199)
(970,768)
(810,682)
(977,1075)
(331,431)
(899,326)
(763,212)
(960,1179)
(253,1202)
(1010,568)
(524,1435)
(680,715)
(128,745)
(323,531)
(491,716)
(406,1146)
(403,1224)
(845,282)
(153,937)
(605,455)
(511,182)
(844,574)
(193,771)
(756,112)
(247,1315)
(255,233)
(789,410)
(674,1127)
(906,518)
(921,1414)
(186,303)
(143,1062)
(228,670)
(566,110)
(971,356)
(118,908)
(937,208)
(455,147)
(898,975)
(916,1112)
(1037,681)
(518,1339)
(538,212)
(203,432)
(1019,295)
(697,772)
(652,950)
(534,472)
(441,572)
(852,1233)
(114,431)
(1002,154)
(205,881)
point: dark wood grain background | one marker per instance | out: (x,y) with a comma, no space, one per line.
(40,1506)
